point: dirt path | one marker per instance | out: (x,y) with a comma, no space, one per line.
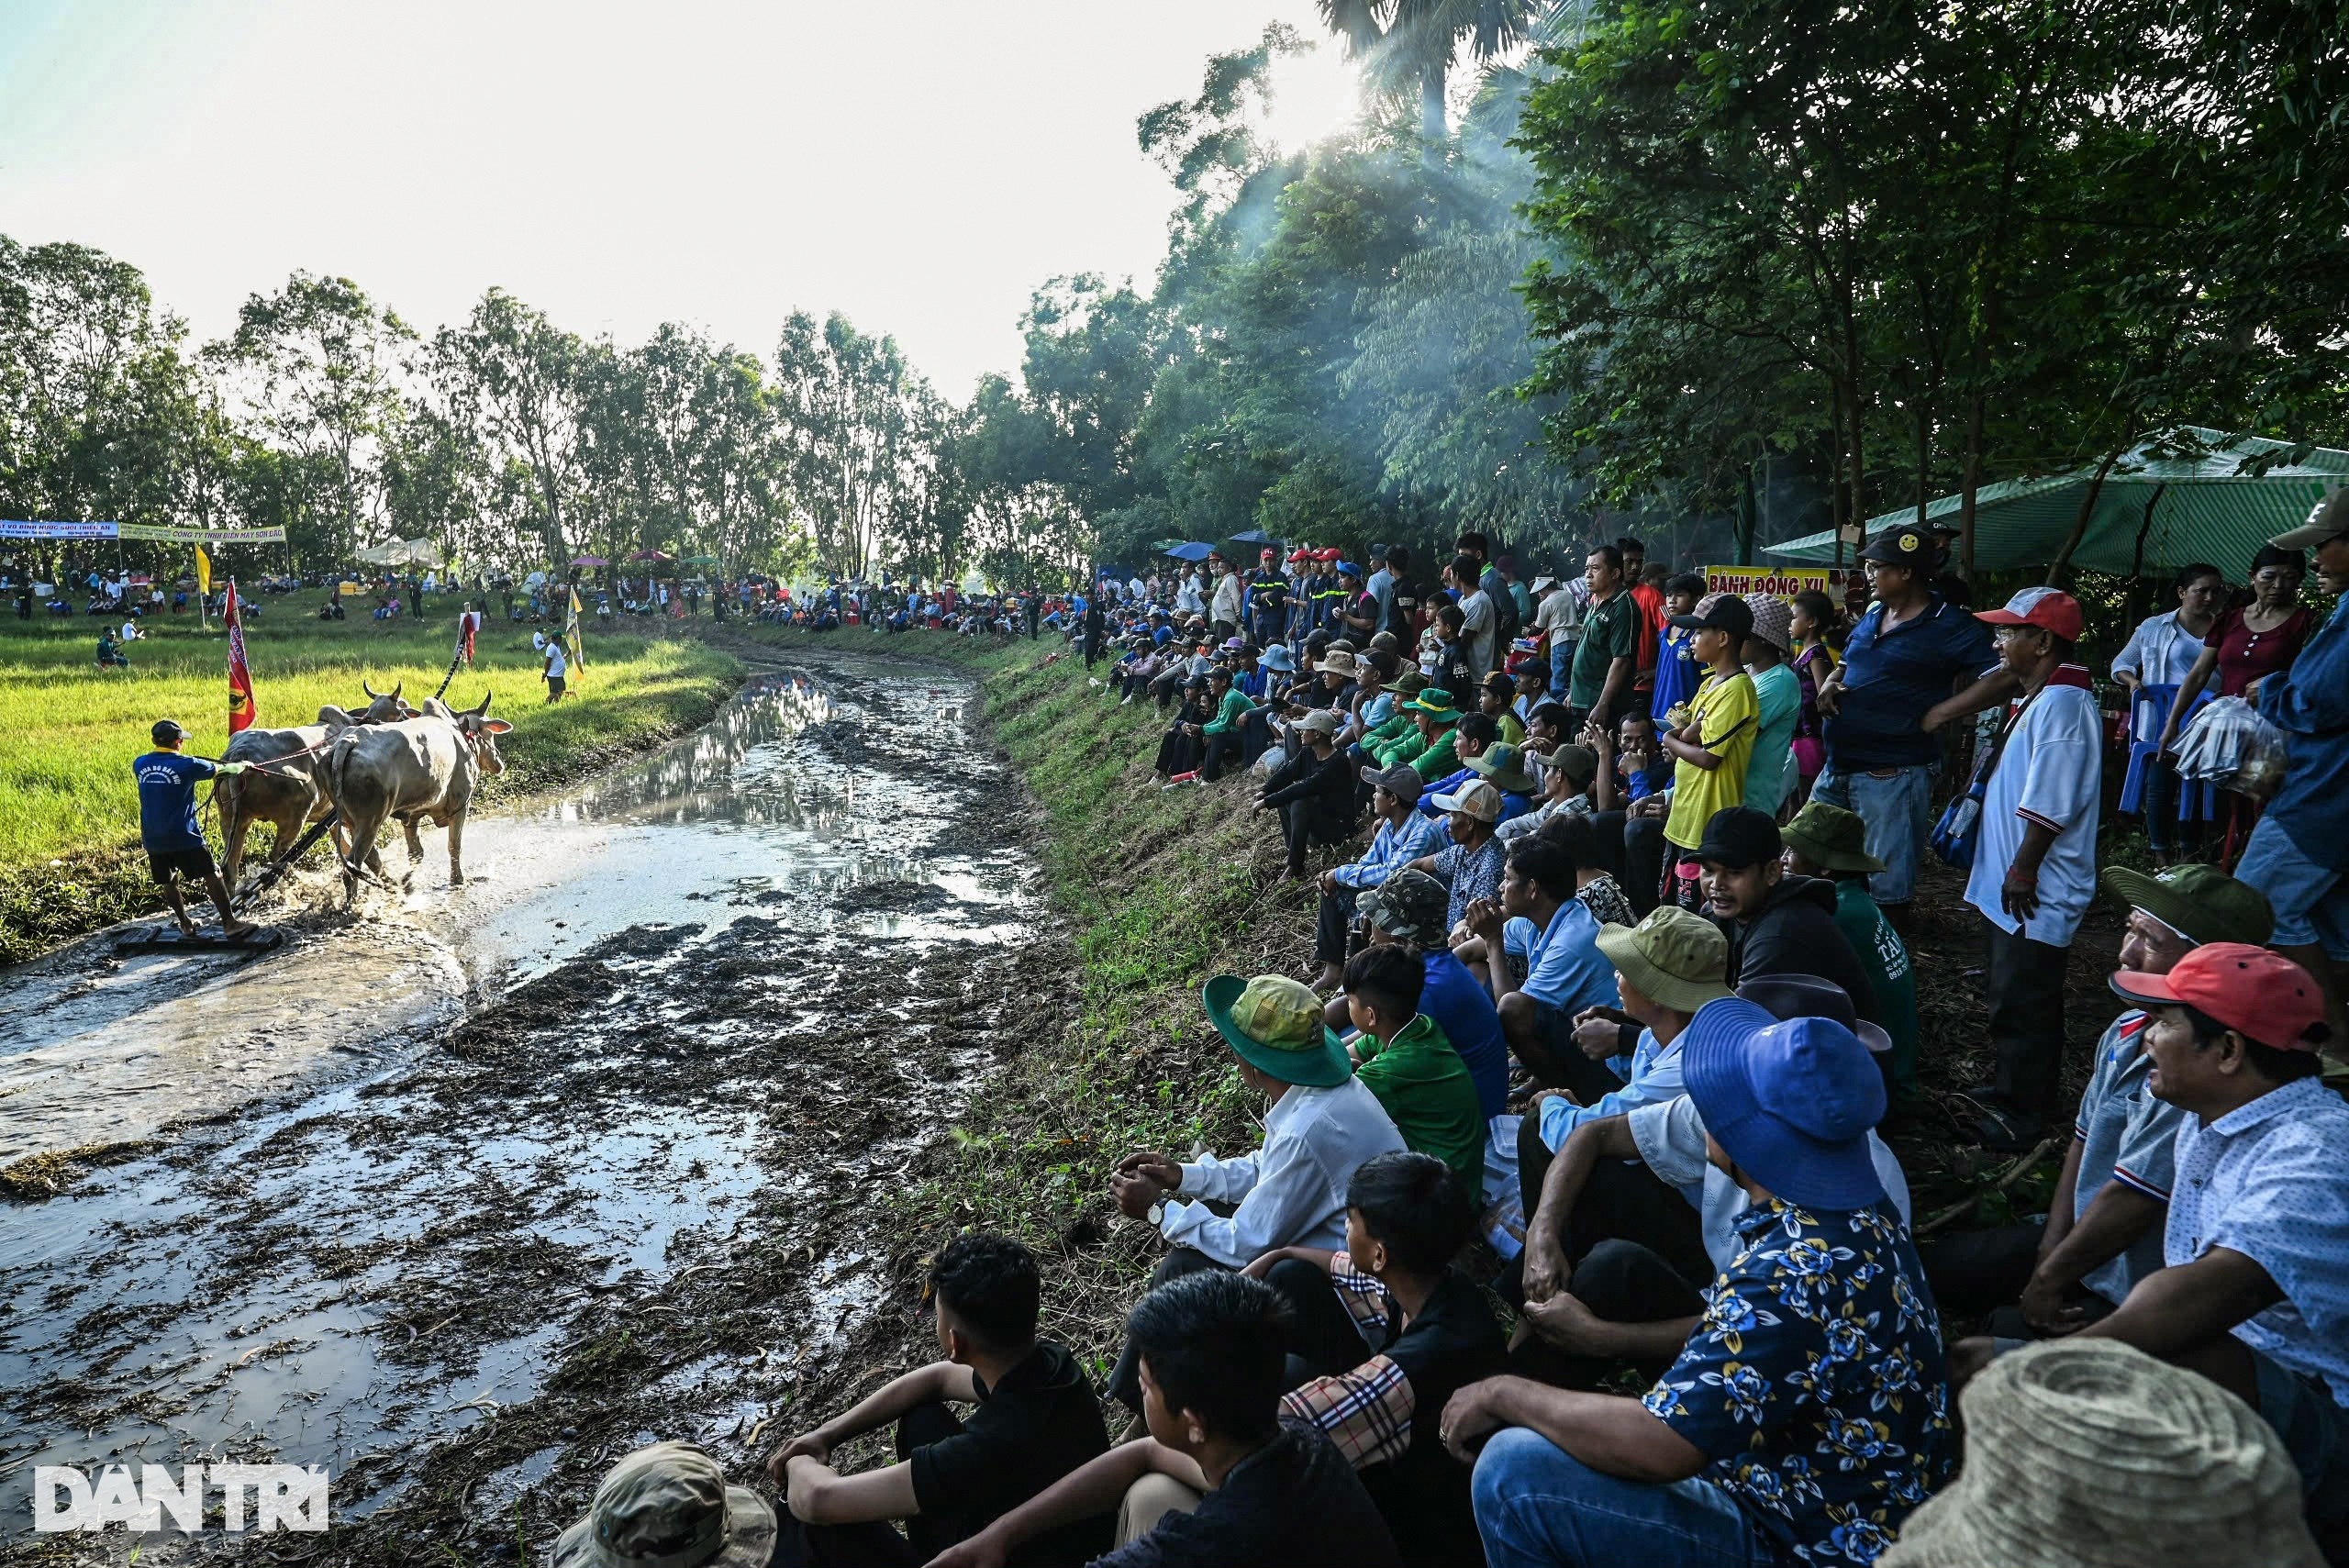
(642,1191)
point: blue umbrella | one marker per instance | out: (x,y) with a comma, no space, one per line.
(1254,536)
(1190,552)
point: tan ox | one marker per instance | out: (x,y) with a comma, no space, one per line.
(290,793)
(418,769)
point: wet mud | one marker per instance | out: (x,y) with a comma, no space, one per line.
(715,1010)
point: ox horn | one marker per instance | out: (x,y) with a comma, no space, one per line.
(371,691)
(481,708)
(397,687)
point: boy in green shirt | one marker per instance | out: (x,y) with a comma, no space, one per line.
(1404,1060)
(1827,840)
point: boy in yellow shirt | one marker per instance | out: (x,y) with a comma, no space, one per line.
(1711,744)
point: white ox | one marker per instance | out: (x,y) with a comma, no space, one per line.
(290,793)
(416,769)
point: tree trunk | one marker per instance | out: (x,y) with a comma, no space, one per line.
(2062,564)
(1970,480)
(1431,115)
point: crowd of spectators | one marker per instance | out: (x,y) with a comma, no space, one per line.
(1609,975)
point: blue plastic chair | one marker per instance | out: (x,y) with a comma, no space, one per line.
(2194,800)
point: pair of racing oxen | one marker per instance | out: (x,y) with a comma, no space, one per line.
(389,762)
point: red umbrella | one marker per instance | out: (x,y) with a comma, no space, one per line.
(589,560)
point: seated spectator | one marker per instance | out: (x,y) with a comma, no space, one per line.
(1595,1297)
(1775,924)
(1502,765)
(1402,836)
(1401,718)
(1474,734)
(1565,790)
(1181,748)
(1598,892)
(1320,1125)
(1313,791)
(1226,733)
(1388,1330)
(1496,698)
(110,653)
(2103,1228)
(1537,918)
(1407,911)
(1830,843)
(1037,1419)
(1401,1057)
(1470,866)
(1807,1415)
(1428,745)
(2085,1452)
(670,1502)
(2252,1293)
(1223,1477)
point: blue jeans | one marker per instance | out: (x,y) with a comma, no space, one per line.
(2312,901)
(2315,1431)
(1537,1506)
(1561,661)
(1898,809)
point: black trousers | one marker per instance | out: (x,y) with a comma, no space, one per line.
(1636,844)
(1620,1282)
(1226,751)
(1333,927)
(1623,1201)
(1125,1378)
(2023,987)
(876,1543)
(1322,1339)
(1308,822)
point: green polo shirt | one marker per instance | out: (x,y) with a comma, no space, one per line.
(1884,959)
(1429,1096)
(1610,632)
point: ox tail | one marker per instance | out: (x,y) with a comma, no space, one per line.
(338,759)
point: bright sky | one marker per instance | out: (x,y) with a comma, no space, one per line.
(921,166)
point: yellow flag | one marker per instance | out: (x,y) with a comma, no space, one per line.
(203,571)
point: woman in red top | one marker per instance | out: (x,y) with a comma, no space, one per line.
(2245,645)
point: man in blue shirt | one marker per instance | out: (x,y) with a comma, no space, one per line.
(167,826)
(2298,855)
(1403,836)
(1565,971)
(1890,695)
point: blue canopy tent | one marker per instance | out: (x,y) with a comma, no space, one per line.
(2192,495)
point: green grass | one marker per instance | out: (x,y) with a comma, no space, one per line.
(69,819)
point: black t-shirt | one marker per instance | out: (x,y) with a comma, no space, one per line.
(1403,608)
(1040,1422)
(1453,1342)
(1295,1503)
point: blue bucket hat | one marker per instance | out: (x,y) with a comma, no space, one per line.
(1278,658)
(1792,1104)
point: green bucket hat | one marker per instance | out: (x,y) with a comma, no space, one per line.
(1830,837)
(1274,1023)
(2201,903)
(1675,957)
(1433,701)
(669,1505)
(1409,684)
(1505,765)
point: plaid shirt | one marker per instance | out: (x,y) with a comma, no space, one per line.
(1365,1412)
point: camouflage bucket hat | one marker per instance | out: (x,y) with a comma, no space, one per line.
(1409,905)
(1274,1023)
(668,1506)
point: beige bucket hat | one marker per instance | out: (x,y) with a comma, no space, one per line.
(668,1506)
(2089,1453)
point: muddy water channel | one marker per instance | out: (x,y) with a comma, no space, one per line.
(612,1164)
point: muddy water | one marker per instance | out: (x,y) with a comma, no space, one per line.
(706,1010)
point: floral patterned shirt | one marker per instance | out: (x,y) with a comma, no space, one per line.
(1815,1382)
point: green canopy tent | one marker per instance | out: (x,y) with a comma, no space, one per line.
(2193,494)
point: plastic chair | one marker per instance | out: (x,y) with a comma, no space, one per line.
(2194,800)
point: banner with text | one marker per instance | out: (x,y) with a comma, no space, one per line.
(163,532)
(1785,583)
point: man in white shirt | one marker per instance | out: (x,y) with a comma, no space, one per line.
(1229,599)
(558,668)
(1477,618)
(1320,1127)
(2161,653)
(2034,859)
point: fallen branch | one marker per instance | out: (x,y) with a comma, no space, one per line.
(2006,1179)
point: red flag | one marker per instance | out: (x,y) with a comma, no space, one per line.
(240,675)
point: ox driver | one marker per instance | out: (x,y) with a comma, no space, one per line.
(168,829)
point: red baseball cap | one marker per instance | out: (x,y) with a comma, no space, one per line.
(2259,994)
(1300,554)
(2050,609)
(1329,552)
(1269,553)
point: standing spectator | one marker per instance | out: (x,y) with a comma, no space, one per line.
(1827,841)
(1267,600)
(1813,621)
(2163,651)
(2034,863)
(1606,655)
(1227,614)
(2298,854)
(1406,600)
(1887,700)
(2243,648)
(1711,750)
(1677,669)
(1647,591)
(1520,597)
(1494,586)
(1478,617)
(1559,615)
(1777,697)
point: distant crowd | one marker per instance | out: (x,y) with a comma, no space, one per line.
(1616,986)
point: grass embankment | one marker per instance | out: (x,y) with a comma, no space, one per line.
(1155,892)
(68,814)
